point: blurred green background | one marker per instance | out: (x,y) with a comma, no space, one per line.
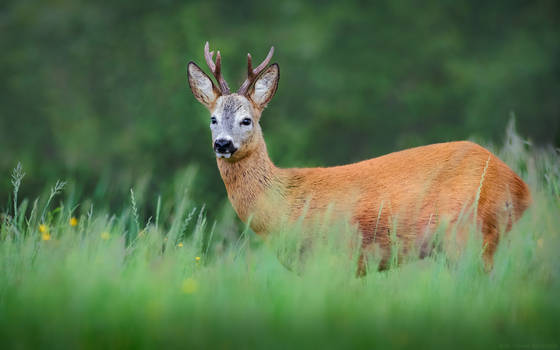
(95,92)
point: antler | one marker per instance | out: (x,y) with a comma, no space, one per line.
(253,73)
(216,68)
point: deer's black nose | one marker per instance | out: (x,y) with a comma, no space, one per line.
(224,146)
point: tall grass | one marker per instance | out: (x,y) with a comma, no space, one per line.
(123,280)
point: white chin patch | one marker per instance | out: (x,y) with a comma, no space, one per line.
(223,155)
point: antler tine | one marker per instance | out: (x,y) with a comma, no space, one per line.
(253,73)
(216,68)
(264,63)
(208,56)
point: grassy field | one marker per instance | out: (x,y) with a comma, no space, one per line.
(73,276)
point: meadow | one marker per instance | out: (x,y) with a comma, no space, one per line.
(78,275)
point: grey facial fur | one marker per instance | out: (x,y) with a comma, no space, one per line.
(230,111)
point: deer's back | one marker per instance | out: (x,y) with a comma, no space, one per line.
(414,188)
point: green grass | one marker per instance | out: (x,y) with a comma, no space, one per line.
(124,280)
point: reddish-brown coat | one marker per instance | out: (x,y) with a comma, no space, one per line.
(410,191)
(406,193)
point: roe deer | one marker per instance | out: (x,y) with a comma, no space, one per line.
(410,191)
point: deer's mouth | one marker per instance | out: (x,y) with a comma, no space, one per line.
(224,148)
(225,155)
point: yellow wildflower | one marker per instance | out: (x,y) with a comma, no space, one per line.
(46,236)
(189,286)
(73,221)
(43,228)
(180,245)
(197,258)
(105,235)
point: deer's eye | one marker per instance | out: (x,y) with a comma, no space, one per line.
(246,122)
(213,120)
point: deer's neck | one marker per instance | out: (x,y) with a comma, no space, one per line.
(252,184)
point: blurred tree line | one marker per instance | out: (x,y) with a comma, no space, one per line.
(96,91)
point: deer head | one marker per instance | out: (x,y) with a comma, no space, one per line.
(234,117)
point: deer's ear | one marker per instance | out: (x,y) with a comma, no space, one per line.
(262,91)
(202,86)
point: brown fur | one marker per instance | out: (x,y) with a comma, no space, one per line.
(408,192)
(411,191)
